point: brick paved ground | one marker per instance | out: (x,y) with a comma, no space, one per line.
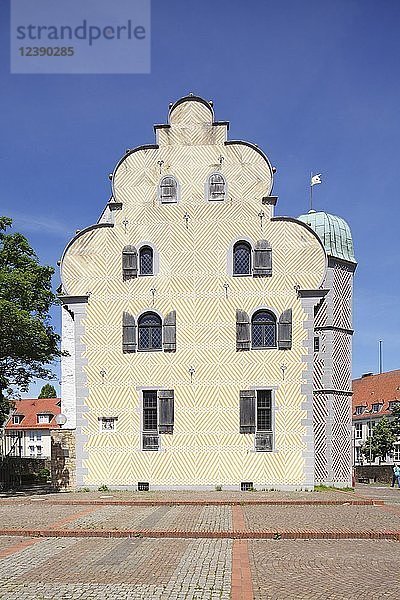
(176,496)
(356,518)
(313,569)
(58,569)
(85,568)
(37,515)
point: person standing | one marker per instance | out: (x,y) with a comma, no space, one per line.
(396,475)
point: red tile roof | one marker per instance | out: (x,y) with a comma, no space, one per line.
(373,389)
(30,408)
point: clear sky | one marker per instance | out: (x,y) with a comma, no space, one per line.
(315,83)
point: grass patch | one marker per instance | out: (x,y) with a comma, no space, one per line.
(329,488)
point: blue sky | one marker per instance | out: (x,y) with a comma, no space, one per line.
(314,83)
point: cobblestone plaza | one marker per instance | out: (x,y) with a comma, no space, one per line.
(202,546)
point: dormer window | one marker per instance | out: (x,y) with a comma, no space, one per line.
(376,407)
(43,419)
(168,189)
(216,187)
(393,404)
(17,419)
(360,410)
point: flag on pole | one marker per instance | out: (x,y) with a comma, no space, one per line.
(315,179)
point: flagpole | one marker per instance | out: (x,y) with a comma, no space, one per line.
(311,187)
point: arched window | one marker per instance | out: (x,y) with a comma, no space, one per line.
(263,330)
(150,332)
(168,189)
(242,258)
(216,187)
(146,260)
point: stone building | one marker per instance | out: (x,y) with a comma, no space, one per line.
(209,341)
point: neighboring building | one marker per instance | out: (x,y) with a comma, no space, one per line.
(374,396)
(209,342)
(27,431)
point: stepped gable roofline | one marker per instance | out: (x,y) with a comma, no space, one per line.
(125,156)
(191,98)
(306,226)
(334,232)
(30,408)
(370,389)
(257,149)
(78,235)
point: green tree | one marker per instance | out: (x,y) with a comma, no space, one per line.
(380,443)
(396,419)
(28,342)
(48,391)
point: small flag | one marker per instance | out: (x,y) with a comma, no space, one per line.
(316,179)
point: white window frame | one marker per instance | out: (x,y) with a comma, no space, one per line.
(43,419)
(358,428)
(17,419)
(396,452)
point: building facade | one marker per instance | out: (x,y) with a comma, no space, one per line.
(374,397)
(27,430)
(209,341)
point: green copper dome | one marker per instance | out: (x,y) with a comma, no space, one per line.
(334,233)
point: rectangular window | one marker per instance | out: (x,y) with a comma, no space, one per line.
(393,404)
(371,426)
(39,450)
(316,344)
(150,420)
(31,450)
(396,453)
(376,407)
(108,423)
(31,436)
(17,419)
(38,436)
(264,410)
(358,454)
(358,429)
(264,436)
(360,410)
(41,419)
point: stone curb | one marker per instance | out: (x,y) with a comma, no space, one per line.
(291,534)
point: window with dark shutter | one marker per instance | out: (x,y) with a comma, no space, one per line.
(242,258)
(150,332)
(216,187)
(129,333)
(170,332)
(263,330)
(285,330)
(247,411)
(262,266)
(146,260)
(166,408)
(242,330)
(168,189)
(129,263)
(150,439)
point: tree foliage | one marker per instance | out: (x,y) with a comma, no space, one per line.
(48,391)
(28,342)
(381,442)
